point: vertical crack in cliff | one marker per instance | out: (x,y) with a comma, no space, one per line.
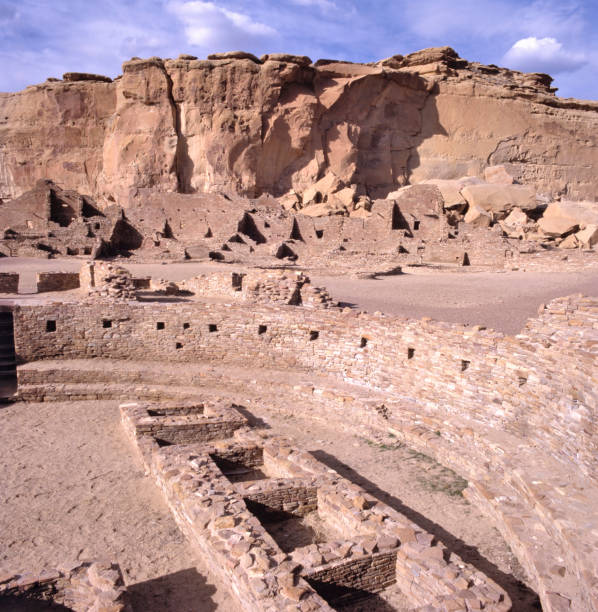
(183,164)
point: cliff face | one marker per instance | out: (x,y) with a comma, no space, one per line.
(234,123)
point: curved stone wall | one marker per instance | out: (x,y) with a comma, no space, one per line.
(514,415)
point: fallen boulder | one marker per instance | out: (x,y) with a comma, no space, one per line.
(500,199)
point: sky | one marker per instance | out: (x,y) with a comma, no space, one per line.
(46,38)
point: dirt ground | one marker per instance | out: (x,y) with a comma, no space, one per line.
(501,300)
(72,488)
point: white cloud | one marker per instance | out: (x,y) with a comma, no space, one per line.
(215,28)
(542,55)
(325,5)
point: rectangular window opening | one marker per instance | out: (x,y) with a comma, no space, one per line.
(50,326)
(106,323)
(160,325)
(186,325)
(212,327)
(262,329)
(314,335)
(179,345)
(410,353)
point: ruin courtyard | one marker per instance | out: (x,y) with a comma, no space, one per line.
(288,335)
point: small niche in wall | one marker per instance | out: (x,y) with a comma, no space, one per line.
(363,342)
(522,380)
(106,323)
(262,329)
(464,365)
(50,326)
(415,225)
(319,233)
(314,335)
(212,327)
(178,345)
(186,325)
(410,353)
(160,325)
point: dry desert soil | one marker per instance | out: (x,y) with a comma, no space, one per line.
(73,488)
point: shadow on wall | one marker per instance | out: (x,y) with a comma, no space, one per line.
(369,134)
(430,126)
(523,598)
(178,592)
(125,237)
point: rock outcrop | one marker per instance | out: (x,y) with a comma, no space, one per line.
(238,124)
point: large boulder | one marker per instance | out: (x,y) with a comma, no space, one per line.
(500,199)
(582,213)
(451,190)
(588,237)
(478,217)
(557,226)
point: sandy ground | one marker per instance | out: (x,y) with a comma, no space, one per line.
(501,300)
(72,488)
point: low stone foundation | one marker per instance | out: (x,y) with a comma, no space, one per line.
(227,495)
(94,586)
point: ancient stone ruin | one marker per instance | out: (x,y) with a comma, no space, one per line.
(255,175)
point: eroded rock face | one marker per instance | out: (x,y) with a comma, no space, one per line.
(238,124)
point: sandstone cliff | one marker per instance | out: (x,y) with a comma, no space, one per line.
(234,123)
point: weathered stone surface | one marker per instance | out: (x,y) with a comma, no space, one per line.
(557,226)
(588,237)
(497,175)
(477,216)
(500,199)
(516,218)
(583,213)
(236,123)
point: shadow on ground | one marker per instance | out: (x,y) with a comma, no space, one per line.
(183,591)
(524,599)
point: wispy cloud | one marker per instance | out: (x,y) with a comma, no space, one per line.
(217,28)
(325,5)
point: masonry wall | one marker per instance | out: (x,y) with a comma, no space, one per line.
(57,281)
(9,282)
(538,384)
(369,574)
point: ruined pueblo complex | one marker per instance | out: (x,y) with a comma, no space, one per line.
(193,421)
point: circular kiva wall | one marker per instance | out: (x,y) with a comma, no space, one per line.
(516,416)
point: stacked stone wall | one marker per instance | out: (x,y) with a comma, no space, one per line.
(482,392)
(477,375)
(57,281)
(9,282)
(268,287)
(95,585)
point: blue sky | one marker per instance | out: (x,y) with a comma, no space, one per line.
(42,38)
